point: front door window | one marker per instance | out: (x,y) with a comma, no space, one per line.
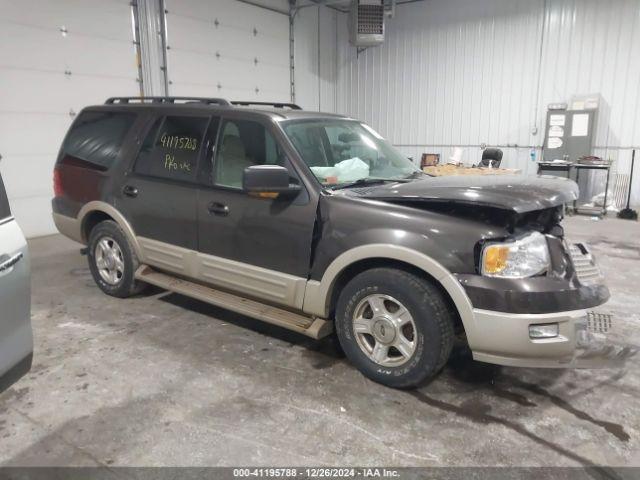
(242,144)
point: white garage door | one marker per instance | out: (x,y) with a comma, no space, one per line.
(56,56)
(227,49)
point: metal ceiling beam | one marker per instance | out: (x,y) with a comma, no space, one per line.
(266,7)
(327,3)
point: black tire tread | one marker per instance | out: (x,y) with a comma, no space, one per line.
(429,294)
(131,286)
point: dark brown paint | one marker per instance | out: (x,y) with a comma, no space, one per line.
(302,235)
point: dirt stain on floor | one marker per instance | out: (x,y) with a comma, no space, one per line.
(478,412)
(465,370)
(614,429)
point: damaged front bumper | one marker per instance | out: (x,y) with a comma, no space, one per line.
(582,340)
(594,349)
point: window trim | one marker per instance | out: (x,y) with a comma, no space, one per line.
(214,151)
(195,180)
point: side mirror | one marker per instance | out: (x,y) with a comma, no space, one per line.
(268,181)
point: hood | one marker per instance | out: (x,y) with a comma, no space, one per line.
(517,193)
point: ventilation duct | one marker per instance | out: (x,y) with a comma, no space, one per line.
(367,23)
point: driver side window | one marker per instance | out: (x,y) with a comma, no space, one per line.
(242,144)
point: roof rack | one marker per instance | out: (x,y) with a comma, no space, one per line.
(207,101)
(292,106)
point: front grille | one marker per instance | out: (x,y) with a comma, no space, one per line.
(584,265)
(599,322)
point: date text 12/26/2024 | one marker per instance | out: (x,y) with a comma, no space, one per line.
(320,472)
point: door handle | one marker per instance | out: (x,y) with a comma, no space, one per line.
(130,191)
(7,264)
(217,208)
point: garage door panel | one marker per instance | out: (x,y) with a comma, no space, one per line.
(28,175)
(91,90)
(188,68)
(33,214)
(74,92)
(189,37)
(231,14)
(96,56)
(243,35)
(274,77)
(232,92)
(23,134)
(47,77)
(27,51)
(185,66)
(76,54)
(193,90)
(89,17)
(31,91)
(191,34)
(228,80)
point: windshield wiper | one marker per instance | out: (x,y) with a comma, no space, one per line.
(416,174)
(365,181)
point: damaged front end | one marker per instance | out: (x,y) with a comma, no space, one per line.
(594,348)
(547,220)
(511,312)
(531,289)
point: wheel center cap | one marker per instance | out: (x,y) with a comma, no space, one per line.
(110,260)
(383,330)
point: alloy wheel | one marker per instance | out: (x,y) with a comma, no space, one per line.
(385,330)
(109,260)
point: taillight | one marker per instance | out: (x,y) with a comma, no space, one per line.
(58,191)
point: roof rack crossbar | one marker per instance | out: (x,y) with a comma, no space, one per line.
(292,106)
(207,101)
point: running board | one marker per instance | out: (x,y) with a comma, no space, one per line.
(309,326)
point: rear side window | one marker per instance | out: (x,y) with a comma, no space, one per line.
(172,147)
(5,211)
(96,138)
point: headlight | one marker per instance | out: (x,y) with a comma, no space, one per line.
(520,258)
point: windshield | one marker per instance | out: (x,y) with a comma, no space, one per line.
(341,152)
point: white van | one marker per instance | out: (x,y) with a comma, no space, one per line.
(16,338)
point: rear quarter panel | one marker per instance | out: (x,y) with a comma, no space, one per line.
(82,182)
(80,185)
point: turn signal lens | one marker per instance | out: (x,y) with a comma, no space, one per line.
(495,259)
(264,194)
(518,258)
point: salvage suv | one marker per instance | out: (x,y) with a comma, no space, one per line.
(315,223)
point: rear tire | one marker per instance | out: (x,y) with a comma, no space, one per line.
(112,260)
(395,327)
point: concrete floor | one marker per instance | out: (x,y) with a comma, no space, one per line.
(164,380)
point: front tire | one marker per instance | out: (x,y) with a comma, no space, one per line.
(395,327)
(113,261)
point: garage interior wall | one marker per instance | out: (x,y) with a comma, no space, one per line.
(459,73)
(228,49)
(56,56)
(450,73)
(316,58)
